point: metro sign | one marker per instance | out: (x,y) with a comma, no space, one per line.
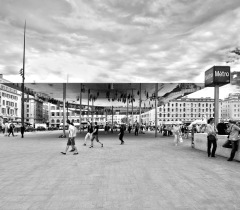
(217,75)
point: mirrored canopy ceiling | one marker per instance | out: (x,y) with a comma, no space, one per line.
(110,94)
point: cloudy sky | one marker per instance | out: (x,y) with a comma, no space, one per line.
(117,40)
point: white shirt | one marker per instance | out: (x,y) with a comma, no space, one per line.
(234,132)
(211,129)
(72,131)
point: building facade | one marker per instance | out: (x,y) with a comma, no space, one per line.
(56,116)
(184,109)
(33,110)
(10,102)
(231,107)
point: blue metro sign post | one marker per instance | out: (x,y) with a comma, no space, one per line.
(216,77)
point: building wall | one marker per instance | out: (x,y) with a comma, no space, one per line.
(56,116)
(33,110)
(231,107)
(10,103)
(184,109)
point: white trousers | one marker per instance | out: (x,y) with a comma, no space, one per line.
(88,135)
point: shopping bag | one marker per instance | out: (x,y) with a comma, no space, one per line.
(180,139)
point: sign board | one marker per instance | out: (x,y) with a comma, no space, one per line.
(217,75)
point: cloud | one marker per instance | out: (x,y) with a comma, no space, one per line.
(117,41)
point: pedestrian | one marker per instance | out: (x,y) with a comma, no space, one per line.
(105,129)
(22,130)
(6,128)
(186,131)
(193,131)
(233,138)
(177,134)
(136,129)
(72,132)
(121,134)
(10,130)
(211,137)
(3,128)
(95,135)
(129,128)
(89,133)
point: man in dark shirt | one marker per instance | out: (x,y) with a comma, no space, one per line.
(221,127)
(121,134)
(95,135)
(22,130)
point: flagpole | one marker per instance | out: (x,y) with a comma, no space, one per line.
(23,76)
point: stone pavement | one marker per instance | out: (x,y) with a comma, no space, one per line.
(144,173)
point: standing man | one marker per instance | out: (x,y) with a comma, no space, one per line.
(121,134)
(95,135)
(211,137)
(71,138)
(89,133)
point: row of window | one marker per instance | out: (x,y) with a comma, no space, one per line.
(184,119)
(3,87)
(9,96)
(75,120)
(9,111)
(9,103)
(59,114)
(192,104)
(184,110)
(180,115)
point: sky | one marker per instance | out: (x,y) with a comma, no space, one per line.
(117,40)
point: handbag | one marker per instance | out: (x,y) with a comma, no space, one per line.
(227,144)
(211,137)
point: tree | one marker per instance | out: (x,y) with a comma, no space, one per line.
(233,56)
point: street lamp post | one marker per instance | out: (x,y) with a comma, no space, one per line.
(22,73)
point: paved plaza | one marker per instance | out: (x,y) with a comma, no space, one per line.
(144,173)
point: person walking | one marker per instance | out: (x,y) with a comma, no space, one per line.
(72,132)
(177,134)
(10,131)
(233,139)
(121,134)
(89,133)
(3,128)
(211,137)
(95,135)
(72,123)
(22,130)
(136,129)
(129,128)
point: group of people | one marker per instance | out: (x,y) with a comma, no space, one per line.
(232,140)
(8,128)
(92,133)
(232,130)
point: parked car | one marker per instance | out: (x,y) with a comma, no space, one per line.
(40,128)
(52,128)
(29,129)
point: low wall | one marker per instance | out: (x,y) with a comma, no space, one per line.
(200,143)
